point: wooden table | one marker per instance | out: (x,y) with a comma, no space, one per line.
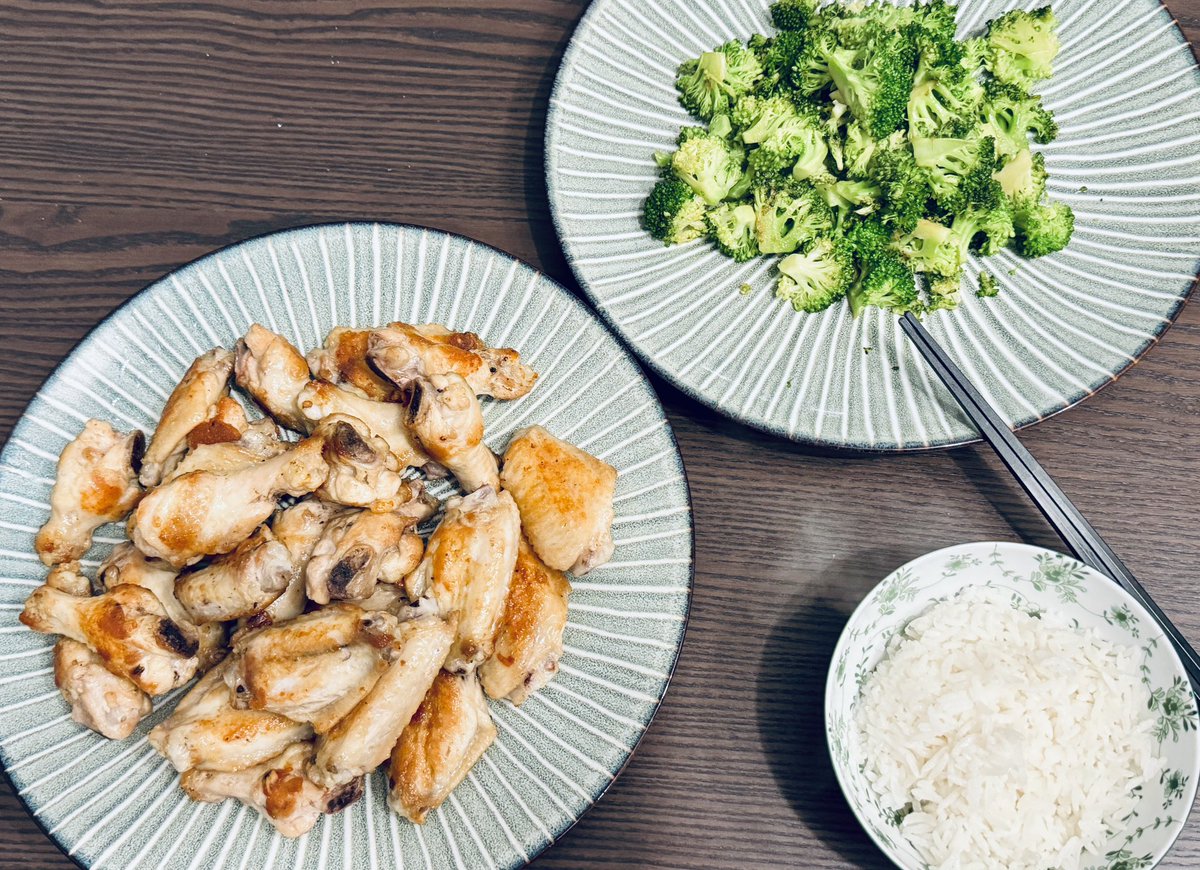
(135,136)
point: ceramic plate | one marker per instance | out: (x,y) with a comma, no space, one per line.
(117,804)
(1036,581)
(1127,98)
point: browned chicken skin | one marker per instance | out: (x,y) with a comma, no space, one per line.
(343,361)
(363,471)
(127,626)
(127,564)
(205,729)
(101,700)
(383,419)
(271,370)
(279,788)
(205,513)
(529,642)
(445,416)
(466,570)
(192,402)
(364,738)
(445,737)
(405,353)
(566,499)
(96,483)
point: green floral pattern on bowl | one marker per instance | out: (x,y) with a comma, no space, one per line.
(1036,581)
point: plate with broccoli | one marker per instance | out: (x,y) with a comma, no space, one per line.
(752,193)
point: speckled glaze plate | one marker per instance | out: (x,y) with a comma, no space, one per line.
(117,804)
(1127,98)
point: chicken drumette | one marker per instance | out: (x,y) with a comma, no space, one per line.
(405,353)
(445,416)
(359,549)
(191,403)
(271,370)
(240,583)
(363,471)
(343,361)
(96,483)
(384,420)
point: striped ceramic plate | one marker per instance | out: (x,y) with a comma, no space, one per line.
(117,804)
(1127,98)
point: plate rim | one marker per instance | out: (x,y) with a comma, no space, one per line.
(657,366)
(860,608)
(572,300)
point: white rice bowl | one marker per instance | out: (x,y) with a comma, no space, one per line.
(1002,706)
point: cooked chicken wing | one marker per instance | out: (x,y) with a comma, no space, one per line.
(343,361)
(529,643)
(363,471)
(271,370)
(566,499)
(384,419)
(358,550)
(127,564)
(205,730)
(68,577)
(279,788)
(445,416)
(467,567)
(257,441)
(404,353)
(298,528)
(226,423)
(363,739)
(206,513)
(96,483)
(240,583)
(192,402)
(127,626)
(446,736)
(107,703)
(316,667)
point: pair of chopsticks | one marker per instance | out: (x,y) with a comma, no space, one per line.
(1077,533)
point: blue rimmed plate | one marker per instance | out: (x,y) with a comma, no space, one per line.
(117,804)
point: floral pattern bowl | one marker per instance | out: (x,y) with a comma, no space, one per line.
(1037,581)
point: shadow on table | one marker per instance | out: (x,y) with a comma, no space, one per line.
(791,704)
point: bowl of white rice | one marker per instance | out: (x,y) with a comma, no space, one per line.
(996,705)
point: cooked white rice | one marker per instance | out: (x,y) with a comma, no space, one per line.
(1015,741)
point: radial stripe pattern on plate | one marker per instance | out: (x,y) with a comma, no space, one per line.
(117,804)
(1127,98)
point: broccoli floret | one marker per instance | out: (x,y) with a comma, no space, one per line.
(870,241)
(779,57)
(673,213)
(875,79)
(792,14)
(788,136)
(789,214)
(944,105)
(860,147)
(810,73)
(1010,115)
(974,55)
(960,170)
(711,165)
(849,199)
(1044,228)
(815,279)
(986,229)
(732,228)
(930,248)
(905,187)
(988,286)
(1022,46)
(1023,179)
(712,82)
(885,283)
(721,126)
(942,292)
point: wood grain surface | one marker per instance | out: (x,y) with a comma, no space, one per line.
(136,135)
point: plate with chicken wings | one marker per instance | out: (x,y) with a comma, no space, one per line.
(356,545)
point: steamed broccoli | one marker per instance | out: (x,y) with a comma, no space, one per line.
(849,199)
(886,283)
(986,229)
(792,15)
(817,278)
(710,164)
(732,228)
(944,105)
(960,170)
(712,82)
(1023,179)
(988,286)
(931,248)
(1044,228)
(905,187)
(673,213)
(875,78)
(1010,115)
(788,215)
(1022,46)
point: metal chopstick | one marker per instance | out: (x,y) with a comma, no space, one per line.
(1083,540)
